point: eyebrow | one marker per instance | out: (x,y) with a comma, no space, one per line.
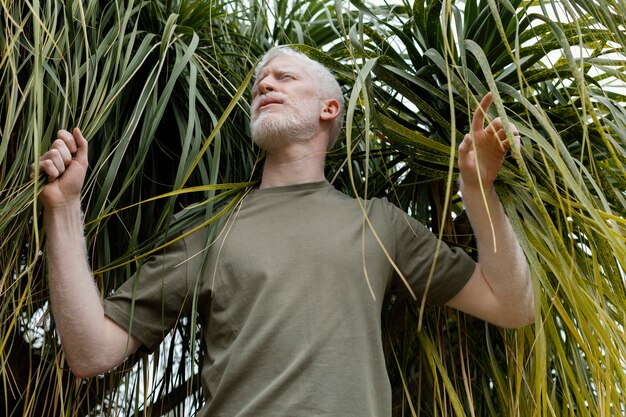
(278,71)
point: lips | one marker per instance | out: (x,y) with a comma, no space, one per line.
(269,100)
(263,101)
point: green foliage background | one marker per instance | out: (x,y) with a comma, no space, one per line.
(160,89)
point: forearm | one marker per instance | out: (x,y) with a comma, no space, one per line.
(500,255)
(76,305)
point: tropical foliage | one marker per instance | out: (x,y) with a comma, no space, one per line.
(161,89)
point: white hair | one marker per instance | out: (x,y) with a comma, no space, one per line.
(326,83)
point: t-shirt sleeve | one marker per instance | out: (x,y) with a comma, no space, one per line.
(416,250)
(150,303)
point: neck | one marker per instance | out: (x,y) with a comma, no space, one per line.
(297,163)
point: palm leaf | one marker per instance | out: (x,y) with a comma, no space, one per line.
(160,89)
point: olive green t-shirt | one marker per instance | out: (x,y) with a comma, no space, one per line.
(289,297)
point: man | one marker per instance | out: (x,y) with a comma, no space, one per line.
(290,292)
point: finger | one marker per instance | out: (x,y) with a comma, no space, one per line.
(517,143)
(465,146)
(68,139)
(54,156)
(81,147)
(506,145)
(501,135)
(478,120)
(50,169)
(63,150)
(32,171)
(501,139)
(495,125)
(33,168)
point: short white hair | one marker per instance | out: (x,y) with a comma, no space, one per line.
(325,81)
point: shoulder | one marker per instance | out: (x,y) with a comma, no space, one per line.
(393,214)
(191,231)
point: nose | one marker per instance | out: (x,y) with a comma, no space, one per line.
(266,85)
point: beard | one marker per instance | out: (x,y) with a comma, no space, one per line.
(295,120)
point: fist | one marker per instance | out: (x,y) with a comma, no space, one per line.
(65,164)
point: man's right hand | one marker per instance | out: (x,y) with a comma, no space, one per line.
(65,164)
(93,343)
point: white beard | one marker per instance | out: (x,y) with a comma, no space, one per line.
(292,121)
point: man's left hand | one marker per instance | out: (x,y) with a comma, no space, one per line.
(483,149)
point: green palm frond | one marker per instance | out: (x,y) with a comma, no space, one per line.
(160,89)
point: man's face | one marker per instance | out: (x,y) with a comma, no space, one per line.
(285,104)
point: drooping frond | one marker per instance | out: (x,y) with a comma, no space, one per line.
(160,89)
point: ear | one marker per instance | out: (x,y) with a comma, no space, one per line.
(330,110)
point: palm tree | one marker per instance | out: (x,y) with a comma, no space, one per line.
(160,88)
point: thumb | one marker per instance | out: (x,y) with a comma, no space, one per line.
(465,146)
(81,147)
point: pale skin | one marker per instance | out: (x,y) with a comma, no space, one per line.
(499,291)
(92,342)
(302,162)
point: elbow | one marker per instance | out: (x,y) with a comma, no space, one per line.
(84,369)
(525,311)
(517,322)
(85,365)
(82,373)
(526,314)
(523,321)
(80,369)
(98,354)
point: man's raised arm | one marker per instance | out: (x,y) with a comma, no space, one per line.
(92,342)
(500,291)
